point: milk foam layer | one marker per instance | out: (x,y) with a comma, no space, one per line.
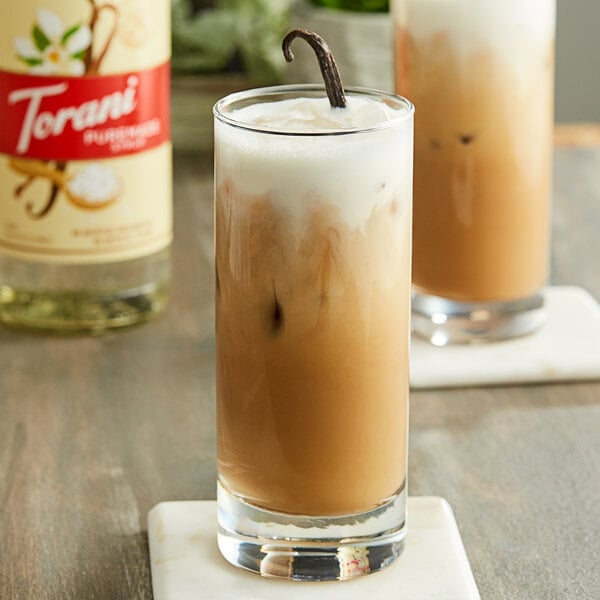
(505,26)
(354,172)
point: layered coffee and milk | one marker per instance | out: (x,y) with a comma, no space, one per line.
(313,221)
(480,73)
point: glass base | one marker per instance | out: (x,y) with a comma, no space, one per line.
(444,322)
(309,548)
(77,312)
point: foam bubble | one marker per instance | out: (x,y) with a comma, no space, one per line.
(352,173)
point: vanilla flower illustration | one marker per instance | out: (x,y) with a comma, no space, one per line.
(53,48)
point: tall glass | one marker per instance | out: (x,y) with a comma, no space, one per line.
(481,75)
(313,245)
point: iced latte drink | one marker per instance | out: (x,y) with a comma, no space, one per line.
(480,73)
(313,245)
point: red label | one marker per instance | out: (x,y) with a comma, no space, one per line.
(79,118)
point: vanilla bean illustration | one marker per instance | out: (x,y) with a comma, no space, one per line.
(88,57)
(22,187)
(92,65)
(60,168)
(329,70)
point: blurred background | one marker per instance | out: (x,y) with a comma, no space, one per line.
(225,45)
(578,61)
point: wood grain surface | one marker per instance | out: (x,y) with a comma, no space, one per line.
(95,431)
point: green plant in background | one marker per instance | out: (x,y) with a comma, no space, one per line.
(215,36)
(357,5)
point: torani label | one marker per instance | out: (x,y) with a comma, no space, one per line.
(85,156)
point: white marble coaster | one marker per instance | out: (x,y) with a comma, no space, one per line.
(566,348)
(186,563)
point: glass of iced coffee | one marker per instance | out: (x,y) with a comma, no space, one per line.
(313,247)
(480,73)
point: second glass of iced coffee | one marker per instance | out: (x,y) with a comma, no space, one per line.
(313,238)
(480,73)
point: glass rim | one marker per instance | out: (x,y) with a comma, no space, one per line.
(264,92)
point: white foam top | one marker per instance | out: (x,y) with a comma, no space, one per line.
(507,26)
(315,115)
(353,173)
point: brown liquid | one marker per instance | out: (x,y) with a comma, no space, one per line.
(312,355)
(482,170)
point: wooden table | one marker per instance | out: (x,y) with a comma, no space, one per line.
(95,431)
